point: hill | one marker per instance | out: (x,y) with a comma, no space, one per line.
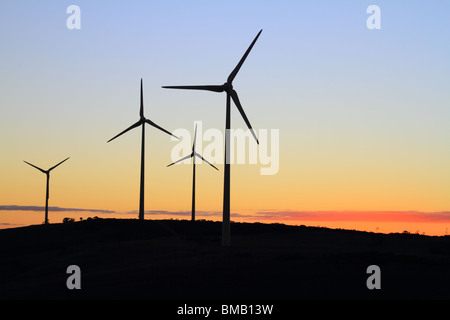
(170,259)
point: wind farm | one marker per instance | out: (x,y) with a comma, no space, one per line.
(333,119)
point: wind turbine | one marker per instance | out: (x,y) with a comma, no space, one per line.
(193,155)
(231,94)
(142,121)
(47,172)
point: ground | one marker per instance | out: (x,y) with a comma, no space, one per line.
(181,260)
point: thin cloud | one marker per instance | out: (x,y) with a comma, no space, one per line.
(274,215)
(55,209)
(188,213)
(406,216)
(180,213)
(288,215)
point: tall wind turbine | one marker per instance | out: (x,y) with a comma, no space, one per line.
(193,155)
(142,121)
(231,94)
(47,172)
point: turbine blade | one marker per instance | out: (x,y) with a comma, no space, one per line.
(182,159)
(58,164)
(239,65)
(43,171)
(235,98)
(141,111)
(202,87)
(206,161)
(160,128)
(137,124)
(195,136)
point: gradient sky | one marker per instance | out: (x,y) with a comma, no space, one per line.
(363,115)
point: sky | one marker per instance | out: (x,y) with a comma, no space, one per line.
(361,114)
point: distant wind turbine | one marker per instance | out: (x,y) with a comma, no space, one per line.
(47,172)
(142,121)
(231,94)
(193,155)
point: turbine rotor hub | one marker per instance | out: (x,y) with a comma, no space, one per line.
(227,86)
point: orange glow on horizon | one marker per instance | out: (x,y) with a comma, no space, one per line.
(432,224)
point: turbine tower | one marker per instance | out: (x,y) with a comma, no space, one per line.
(193,155)
(231,94)
(142,121)
(47,172)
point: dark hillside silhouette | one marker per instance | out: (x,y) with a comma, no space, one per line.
(170,259)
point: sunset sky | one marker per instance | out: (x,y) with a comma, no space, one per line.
(363,115)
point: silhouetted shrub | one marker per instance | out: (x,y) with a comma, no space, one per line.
(68,220)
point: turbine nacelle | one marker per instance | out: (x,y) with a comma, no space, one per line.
(227,87)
